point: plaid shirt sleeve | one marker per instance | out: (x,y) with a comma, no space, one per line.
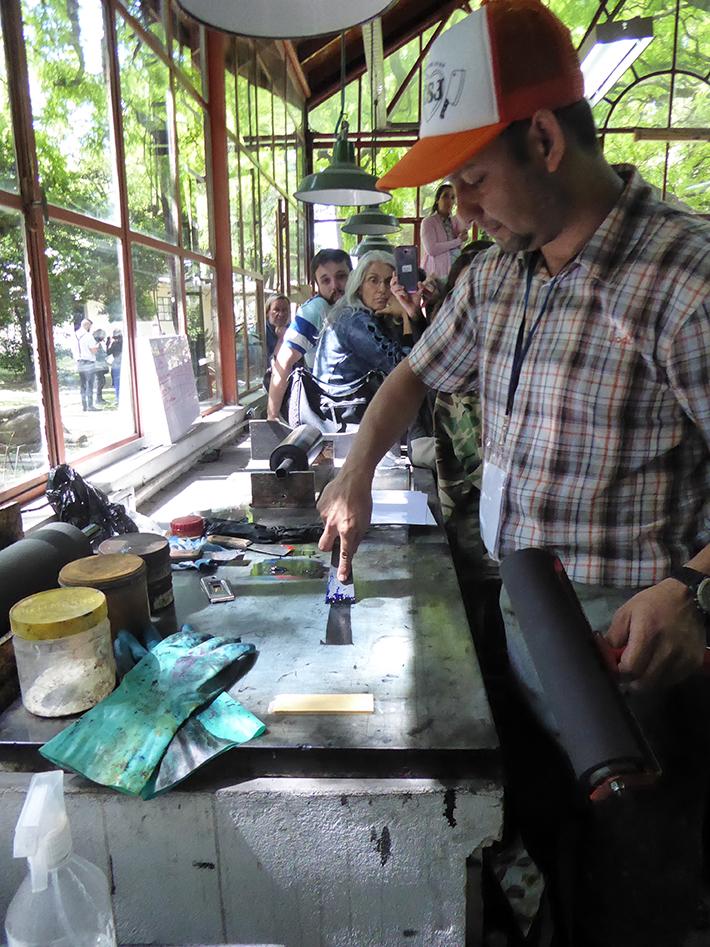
(688,368)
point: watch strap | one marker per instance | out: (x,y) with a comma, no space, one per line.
(693,579)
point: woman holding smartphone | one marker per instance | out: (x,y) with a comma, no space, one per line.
(442,234)
(355,351)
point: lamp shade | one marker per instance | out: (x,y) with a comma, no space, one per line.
(343,183)
(609,50)
(371,222)
(373,243)
(283,19)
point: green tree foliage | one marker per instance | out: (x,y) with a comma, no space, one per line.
(642,96)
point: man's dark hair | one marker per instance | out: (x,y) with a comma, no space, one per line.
(329,256)
(577,123)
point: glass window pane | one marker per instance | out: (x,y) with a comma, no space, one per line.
(155,279)
(694,38)
(244,111)
(23,450)
(89,330)
(689,175)
(190,122)
(405,237)
(144,95)
(202,330)
(254,310)
(8,171)
(67,62)
(324,116)
(235,204)
(269,217)
(148,14)
(188,52)
(240,332)
(397,67)
(293,245)
(248,175)
(644,104)
(230,96)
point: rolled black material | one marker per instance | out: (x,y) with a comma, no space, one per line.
(297,450)
(32,564)
(597,730)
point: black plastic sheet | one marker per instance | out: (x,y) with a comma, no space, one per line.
(76,501)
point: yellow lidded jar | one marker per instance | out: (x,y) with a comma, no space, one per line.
(62,642)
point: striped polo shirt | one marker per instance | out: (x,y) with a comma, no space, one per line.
(608,440)
(302,334)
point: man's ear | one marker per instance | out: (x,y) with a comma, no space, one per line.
(547,140)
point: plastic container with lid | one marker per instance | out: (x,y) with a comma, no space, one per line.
(191,527)
(154,550)
(63,649)
(122,579)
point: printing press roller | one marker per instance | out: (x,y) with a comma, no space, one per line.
(597,731)
(296,451)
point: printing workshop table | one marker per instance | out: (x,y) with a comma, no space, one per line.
(333,830)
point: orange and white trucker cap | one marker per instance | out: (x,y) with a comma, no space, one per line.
(501,64)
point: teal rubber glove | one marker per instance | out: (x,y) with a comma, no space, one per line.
(206,734)
(120,741)
(224,724)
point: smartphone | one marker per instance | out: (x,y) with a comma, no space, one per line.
(216,590)
(407,264)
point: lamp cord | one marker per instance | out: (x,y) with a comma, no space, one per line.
(342,83)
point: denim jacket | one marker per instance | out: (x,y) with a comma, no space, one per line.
(355,345)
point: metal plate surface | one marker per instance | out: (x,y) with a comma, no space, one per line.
(411,649)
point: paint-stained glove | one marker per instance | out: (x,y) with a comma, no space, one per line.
(206,734)
(120,741)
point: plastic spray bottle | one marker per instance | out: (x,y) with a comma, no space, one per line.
(64,901)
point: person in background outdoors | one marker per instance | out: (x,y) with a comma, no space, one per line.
(329,270)
(114,348)
(442,234)
(84,351)
(100,365)
(355,351)
(278,316)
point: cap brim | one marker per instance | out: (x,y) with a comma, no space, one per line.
(434,158)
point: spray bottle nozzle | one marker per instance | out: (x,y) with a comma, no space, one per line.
(42,834)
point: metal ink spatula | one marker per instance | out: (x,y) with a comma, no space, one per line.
(337,591)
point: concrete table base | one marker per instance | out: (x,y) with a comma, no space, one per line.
(298,862)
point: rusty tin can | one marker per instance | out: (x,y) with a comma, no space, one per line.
(154,550)
(122,579)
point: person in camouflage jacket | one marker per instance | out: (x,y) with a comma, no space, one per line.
(457,445)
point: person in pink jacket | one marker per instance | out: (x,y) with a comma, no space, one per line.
(442,234)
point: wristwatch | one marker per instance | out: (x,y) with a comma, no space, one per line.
(699,585)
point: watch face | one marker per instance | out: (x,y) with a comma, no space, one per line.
(703,596)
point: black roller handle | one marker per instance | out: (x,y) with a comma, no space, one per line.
(296,451)
(596,729)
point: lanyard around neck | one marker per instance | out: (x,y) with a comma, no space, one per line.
(523,343)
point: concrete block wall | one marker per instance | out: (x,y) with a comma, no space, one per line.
(299,862)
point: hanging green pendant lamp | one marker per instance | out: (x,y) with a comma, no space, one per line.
(343,183)
(374,242)
(371,223)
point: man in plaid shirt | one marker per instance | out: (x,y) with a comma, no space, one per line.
(586,331)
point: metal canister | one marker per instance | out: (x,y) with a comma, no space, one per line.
(122,579)
(154,550)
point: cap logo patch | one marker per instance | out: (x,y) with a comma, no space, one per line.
(433,91)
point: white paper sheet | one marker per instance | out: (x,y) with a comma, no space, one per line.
(401,508)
